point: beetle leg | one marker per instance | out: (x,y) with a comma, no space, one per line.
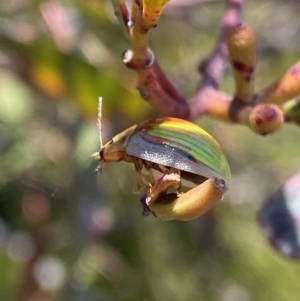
(164,169)
(145,208)
(138,165)
(179,187)
(160,188)
(191,204)
(141,179)
(151,177)
(139,183)
(159,191)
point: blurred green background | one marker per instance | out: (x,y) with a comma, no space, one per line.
(67,233)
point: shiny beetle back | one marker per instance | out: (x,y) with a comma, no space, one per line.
(179,144)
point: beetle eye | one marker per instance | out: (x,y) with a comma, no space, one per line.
(101,153)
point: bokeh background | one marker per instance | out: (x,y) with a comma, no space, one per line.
(67,233)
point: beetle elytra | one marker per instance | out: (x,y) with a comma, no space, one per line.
(178,150)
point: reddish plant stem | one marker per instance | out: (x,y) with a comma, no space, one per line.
(160,93)
(153,84)
(213,67)
(168,86)
(155,87)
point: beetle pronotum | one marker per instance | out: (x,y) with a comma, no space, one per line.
(178,149)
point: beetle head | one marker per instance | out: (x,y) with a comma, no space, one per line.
(114,150)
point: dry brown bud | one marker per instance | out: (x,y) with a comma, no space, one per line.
(265,119)
(242,55)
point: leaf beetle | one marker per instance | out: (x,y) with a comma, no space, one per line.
(178,150)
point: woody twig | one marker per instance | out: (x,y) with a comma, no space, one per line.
(263,112)
(153,85)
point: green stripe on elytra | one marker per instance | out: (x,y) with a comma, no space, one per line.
(180,140)
(155,140)
(190,143)
(215,159)
(192,146)
(187,133)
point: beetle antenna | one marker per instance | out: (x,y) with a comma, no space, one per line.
(96,155)
(99,121)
